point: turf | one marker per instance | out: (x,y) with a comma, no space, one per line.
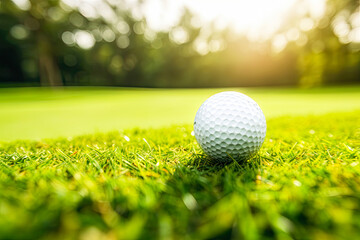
(157,184)
(37,113)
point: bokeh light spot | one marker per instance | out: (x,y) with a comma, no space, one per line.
(201,46)
(279,42)
(88,11)
(354,35)
(157,43)
(341,28)
(139,28)
(306,24)
(355,19)
(84,39)
(123,41)
(149,35)
(292,34)
(55,14)
(108,35)
(179,35)
(22,4)
(68,38)
(76,19)
(19,32)
(216,45)
(123,27)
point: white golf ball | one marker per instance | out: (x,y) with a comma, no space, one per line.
(230,125)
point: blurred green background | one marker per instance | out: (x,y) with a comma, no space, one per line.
(163,43)
(303,57)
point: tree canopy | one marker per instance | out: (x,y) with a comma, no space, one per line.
(60,42)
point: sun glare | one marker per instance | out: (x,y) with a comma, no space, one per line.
(257,19)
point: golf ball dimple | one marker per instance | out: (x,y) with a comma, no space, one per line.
(230,125)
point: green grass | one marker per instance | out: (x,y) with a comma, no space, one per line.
(155,183)
(304,184)
(36,113)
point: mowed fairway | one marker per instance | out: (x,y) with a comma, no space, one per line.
(33,113)
(137,182)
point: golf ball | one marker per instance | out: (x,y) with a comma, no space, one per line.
(230,125)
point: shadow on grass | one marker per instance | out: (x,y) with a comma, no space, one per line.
(202,162)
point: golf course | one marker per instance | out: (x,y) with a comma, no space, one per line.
(123,163)
(38,113)
(179,120)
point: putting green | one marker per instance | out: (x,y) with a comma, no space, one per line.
(35,113)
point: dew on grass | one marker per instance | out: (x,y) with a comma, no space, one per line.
(189,201)
(353,164)
(297,183)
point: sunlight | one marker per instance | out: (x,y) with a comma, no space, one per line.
(258,20)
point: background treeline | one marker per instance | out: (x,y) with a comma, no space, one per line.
(49,43)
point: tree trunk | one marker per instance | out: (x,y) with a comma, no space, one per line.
(48,68)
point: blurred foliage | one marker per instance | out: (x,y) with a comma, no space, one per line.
(53,43)
(329,56)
